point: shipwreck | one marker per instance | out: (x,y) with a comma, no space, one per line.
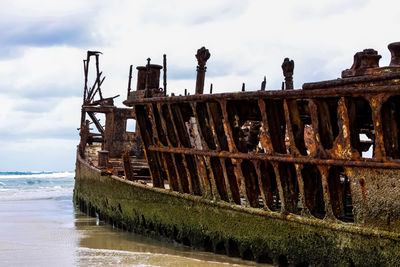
(298,177)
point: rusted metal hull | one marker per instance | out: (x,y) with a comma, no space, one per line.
(315,171)
(250,233)
(337,117)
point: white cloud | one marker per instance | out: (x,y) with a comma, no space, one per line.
(41,79)
(43,72)
(45,154)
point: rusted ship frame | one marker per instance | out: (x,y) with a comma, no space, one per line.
(326,155)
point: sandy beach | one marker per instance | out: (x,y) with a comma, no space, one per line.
(40,227)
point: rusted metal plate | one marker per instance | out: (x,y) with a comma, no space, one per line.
(330,151)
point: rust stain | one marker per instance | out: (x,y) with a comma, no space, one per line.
(363,189)
(285,151)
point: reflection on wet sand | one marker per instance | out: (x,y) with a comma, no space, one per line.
(101,244)
(50,232)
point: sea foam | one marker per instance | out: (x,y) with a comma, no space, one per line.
(32,174)
(35,185)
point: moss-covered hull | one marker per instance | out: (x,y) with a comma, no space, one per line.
(223,228)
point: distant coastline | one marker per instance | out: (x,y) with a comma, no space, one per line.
(36,174)
(32,172)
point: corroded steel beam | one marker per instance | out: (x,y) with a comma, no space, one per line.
(202,56)
(96,122)
(290,94)
(369,163)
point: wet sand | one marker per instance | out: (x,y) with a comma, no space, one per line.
(50,232)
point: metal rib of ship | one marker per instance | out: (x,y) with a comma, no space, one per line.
(296,177)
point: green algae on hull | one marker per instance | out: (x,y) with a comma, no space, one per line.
(230,229)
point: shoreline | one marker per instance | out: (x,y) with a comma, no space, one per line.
(49,231)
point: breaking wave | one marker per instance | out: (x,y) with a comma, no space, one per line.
(35,185)
(33,174)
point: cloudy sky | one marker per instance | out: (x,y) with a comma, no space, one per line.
(42,44)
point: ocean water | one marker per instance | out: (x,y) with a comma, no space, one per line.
(39,226)
(35,185)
